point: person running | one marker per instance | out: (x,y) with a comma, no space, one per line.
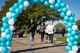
(63,31)
(51,31)
(42,31)
(32,31)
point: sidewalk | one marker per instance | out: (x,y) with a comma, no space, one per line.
(22,45)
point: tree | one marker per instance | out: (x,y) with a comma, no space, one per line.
(78,24)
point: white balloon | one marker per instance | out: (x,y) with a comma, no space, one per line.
(8,14)
(72,52)
(68,13)
(26,3)
(51,1)
(67,6)
(0,49)
(68,40)
(3,34)
(75,48)
(11,28)
(11,21)
(74,27)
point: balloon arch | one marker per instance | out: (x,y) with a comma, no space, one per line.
(11,16)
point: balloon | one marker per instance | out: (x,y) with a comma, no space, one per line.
(7,31)
(71,52)
(69,30)
(66,18)
(9,37)
(60,10)
(11,22)
(70,44)
(68,40)
(63,4)
(62,14)
(42,1)
(21,1)
(8,14)
(3,40)
(73,15)
(46,3)
(69,35)
(21,7)
(65,22)
(69,24)
(57,5)
(36,1)
(4,49)
(75,48)
(75,43)
(76,37)
(68,48)
(67,6)
(14,15)
(74,32)
(74,27)
(2,29)
(11,9)
(16,5)
(3,44)
(3,34)
(11,28)
(64,9)
(71,39)
(71,19)
(8,43)
(68,13)
(52,6)
(74,23)
(17,10)
(59,1)
(26,3)
(5,25)
(5,19)
(51,1)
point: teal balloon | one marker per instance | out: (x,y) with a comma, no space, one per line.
(76,37)
(17,10)
(62,14)
(69,35)
(36,1)
(2,29)
(16,5)
(71,39)
(73,15)
(8,31)
(71,19)
(4,49)
(63,5)
(65,22)
(2,44)
(5,19)
(74,23)
(9,37)
(59,1)
(21,7)
(70,44)
(75,43)
(3,39)
(14,15)
(73,32)
(52,6)
(66,18)
(60,10)
(64,9)
(8,43)
(69,30)
(69,25)
(11,9)
(46,3)
(57,5)
(21,1)
(68,48)
(5,25)
(42,1)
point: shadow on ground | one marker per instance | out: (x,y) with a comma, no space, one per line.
(45,47)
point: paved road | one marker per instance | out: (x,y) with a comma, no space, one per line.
(22,45)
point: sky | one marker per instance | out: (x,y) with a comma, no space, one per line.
(74,6)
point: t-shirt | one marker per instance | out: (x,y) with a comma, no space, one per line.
(49,29)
